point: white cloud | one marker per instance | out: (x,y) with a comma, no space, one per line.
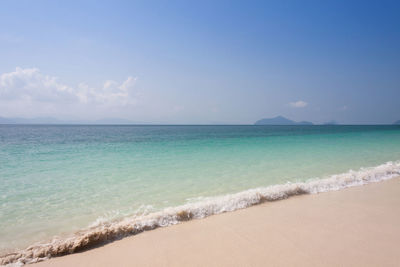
(298,104)
(111,93)
(34,91)
(31,84)
(343,108)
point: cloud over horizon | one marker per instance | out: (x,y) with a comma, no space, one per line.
(39,94)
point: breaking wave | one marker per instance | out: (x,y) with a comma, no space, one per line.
(103,232)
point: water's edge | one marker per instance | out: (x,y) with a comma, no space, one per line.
(107,232)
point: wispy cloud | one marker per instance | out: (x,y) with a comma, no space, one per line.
(298,104)
(343,108)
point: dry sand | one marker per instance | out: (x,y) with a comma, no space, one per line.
(359,226)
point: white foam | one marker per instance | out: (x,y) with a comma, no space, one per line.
(103,231)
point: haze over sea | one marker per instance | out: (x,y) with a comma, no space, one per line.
(56,180)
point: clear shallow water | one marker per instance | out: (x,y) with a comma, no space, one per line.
(56,180)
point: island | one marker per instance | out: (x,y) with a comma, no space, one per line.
(280,120)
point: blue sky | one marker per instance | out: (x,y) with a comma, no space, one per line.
(201,61)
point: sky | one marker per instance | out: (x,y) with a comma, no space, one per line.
(201,62)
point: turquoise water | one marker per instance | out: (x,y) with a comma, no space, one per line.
(56,180)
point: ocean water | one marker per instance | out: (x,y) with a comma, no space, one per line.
(62,183)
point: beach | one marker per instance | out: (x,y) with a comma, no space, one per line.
(357,226)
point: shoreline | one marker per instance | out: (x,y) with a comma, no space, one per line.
(354,226)
(109,232)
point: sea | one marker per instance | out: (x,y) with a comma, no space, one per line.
(64,188)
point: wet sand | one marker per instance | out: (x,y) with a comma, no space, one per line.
(358,226)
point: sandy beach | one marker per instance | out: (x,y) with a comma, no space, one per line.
(358,226)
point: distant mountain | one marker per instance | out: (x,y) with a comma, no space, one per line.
(280,121)
(397,122)
(43,120)
(6,121)
(113,121)
(330,123)
(49,120)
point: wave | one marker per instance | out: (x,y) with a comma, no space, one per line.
(105,232)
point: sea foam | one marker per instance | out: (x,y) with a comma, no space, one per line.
(103,232)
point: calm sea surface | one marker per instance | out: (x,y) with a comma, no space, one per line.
(55,180)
